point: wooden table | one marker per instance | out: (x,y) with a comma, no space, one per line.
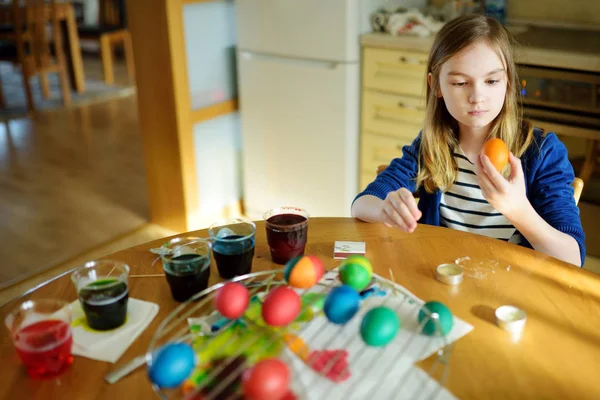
(557,357)
(65,13)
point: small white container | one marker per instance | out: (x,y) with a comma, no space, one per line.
(450,274)
(511,319)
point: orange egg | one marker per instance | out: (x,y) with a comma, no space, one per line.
(303,271)
(497,152)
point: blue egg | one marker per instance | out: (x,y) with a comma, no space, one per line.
(172,364)
(341,304)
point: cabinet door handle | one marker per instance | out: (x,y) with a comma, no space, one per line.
(410,60)
(401,104)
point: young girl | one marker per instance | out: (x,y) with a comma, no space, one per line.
(472,96)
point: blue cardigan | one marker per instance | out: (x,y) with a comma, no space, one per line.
(548,178)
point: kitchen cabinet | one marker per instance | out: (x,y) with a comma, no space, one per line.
(392,105)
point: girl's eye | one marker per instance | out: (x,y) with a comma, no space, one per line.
(493,81)
(459,84)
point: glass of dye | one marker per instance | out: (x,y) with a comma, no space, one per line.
(103,293)
(233,243)
(287,231)
(41,333)
(186,261)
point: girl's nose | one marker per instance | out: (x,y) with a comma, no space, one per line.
(476,96)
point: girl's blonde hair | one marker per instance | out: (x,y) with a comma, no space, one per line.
(437,168)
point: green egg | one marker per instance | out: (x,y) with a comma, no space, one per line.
(356,276)
(444,318)
(379,326)
(360,260)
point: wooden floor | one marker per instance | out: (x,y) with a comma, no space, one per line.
(70,180)
(145,234)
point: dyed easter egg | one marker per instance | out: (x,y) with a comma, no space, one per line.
(356,271)
(497,152)
(439,312)
(172,364)
(341,304)
(281,306)
(268,379)
(303,271)
(231,300)
(379,326)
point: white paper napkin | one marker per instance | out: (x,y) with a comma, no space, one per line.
(110,345)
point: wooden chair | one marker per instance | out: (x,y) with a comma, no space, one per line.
(32,44)
(111,31)
(577,183)
(578,188)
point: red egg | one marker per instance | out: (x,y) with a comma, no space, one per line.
(231,300)
(267,380)
(281,306)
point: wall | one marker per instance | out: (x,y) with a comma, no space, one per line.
(210,41)
(575,12)
(217,146)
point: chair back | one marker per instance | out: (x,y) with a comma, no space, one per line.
(113,13)
(577,183)
(32,20)
(578,188)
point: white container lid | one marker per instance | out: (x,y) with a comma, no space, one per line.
(510,318)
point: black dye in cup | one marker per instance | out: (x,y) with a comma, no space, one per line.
(233,242)
(187,275)
(104,303)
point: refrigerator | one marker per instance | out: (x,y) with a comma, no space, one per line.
(298,71)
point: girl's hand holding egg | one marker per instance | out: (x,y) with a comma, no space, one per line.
(506,196)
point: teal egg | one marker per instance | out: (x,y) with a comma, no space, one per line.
(444,318)
(289,266)
(341,304)
(379,326)
(357,276)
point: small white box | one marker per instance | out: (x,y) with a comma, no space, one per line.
(342,250)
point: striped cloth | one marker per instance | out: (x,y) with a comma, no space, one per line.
(464,208)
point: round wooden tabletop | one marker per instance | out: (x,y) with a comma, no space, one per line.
(557,356)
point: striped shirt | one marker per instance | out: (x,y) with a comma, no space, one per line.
(464,208)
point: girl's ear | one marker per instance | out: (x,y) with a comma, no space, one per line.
(438,93)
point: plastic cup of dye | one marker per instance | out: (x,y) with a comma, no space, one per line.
(287,232)
(103,293)
(42,335)
(186,262)
(233,243)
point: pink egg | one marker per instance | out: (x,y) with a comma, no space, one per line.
(281,306)
(231,300)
